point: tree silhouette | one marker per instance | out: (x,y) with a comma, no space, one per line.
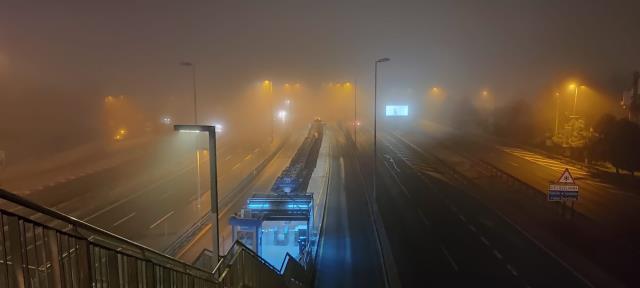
(615,140)
(622,143)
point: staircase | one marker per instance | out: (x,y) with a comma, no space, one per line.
(72,253)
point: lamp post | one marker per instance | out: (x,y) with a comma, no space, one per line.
(375,123)
(575,97)
(211,130)
(576,87)
(355,113)
(269,86)
(557,112)
(195,121)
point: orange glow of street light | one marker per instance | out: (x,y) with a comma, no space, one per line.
(573,85)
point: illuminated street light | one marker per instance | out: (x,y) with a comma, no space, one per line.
(282,115)
(211,130)
(576,87)
(437,94)
(166,120)
(219,127)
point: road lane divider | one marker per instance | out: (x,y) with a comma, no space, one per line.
(123,219)
(161,219)
(388,264)
(446,253)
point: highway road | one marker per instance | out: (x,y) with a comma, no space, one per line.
(150,199)
(442,236)
(348,252)
(599,240)
(600,198)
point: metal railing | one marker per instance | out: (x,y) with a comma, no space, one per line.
(33,254)
(242,267)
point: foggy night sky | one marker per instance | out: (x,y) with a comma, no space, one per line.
(62,55)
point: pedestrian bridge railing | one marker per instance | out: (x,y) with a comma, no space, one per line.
(70,253)
(67,252)
(242,267)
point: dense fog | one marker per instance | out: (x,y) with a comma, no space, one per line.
(61,60)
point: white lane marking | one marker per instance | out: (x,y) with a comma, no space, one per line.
(498,255)
(424,219)
(484,240)
(227,158)
(462,218)
(247,157)
(345,220)
(473,228)
(522,231)
(513,271)
(256,151)
(123,219)
(453,263)
(397,180)
(236,166)
(165,195)
(131,196)
(392,162)
(161,219)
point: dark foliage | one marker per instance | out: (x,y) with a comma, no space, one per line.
(617,142)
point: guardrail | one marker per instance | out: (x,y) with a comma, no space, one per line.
(33,254)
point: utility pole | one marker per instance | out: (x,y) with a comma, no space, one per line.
(557,112)
(375,125)
(355,113)
(634,106)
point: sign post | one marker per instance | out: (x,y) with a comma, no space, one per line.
(565,188)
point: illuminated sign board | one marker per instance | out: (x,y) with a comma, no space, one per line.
(397,110)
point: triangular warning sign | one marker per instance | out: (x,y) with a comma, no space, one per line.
(566,177)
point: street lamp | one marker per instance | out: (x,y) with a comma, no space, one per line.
(375,122)
(211,130)
(355,109)
(557,112)
(195,119)
(269,85)
(575,95)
